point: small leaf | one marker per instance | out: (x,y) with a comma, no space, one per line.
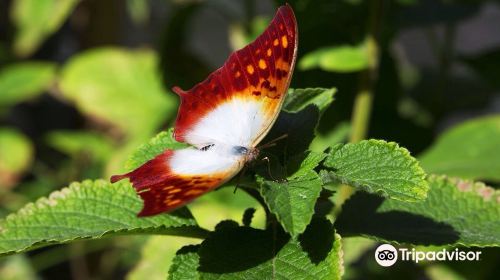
(298,99)
(379,167)
(16,154)
(248,253)
(293,200)
(162,141)
(342,58)
(468,150)
(119,86)
(90,210)
(455,212)
(35,20)
(14,85)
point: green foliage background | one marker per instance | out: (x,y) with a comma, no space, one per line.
(85,93)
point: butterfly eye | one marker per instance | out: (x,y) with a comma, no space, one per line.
(240,150)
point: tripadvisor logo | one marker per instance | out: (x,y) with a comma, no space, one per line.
(387,255)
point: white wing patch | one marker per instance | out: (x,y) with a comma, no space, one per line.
(191,161)
(234,123)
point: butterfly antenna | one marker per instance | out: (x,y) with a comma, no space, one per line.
(269,168)
(273,142)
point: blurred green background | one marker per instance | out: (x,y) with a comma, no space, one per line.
(84,83)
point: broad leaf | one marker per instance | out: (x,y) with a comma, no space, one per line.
(35,20)
(298,99)
(292,200)
(342,58)
(119,86)
(22,81)
(379,167)
(162,141)
(468,150)
(248,253)
(454,212)
(89,209)
(16,154)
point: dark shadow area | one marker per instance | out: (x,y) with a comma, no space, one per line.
(232,249)
(317,240)
(299,128)
(360,217)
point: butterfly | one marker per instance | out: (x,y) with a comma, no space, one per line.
(223,118)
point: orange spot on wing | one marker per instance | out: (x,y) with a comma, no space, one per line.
(262,64)
(269,52)
(237,74)
(194,192)
(276,42)
(284,41)
(173,202)
(250,69)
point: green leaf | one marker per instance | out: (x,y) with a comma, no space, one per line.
(298,99)
(90,210)
(248,253)
(379,167)
(455,212)
(344,58)
(16,154)
(35,20)
(293,200)
(23,81)
(468,150)
(119,86)
(75,142)
(164,140)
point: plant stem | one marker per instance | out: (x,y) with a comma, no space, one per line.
(363,102)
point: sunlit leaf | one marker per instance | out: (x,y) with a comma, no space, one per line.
(379,167)
(119,86)
(342,58)
(90,209)
(454,212)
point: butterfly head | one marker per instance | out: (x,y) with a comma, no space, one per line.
(249,154)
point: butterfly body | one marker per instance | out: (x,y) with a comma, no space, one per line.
(223,118)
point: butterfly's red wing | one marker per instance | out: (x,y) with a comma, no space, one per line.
(235,105)
(259,72)
(166,182)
